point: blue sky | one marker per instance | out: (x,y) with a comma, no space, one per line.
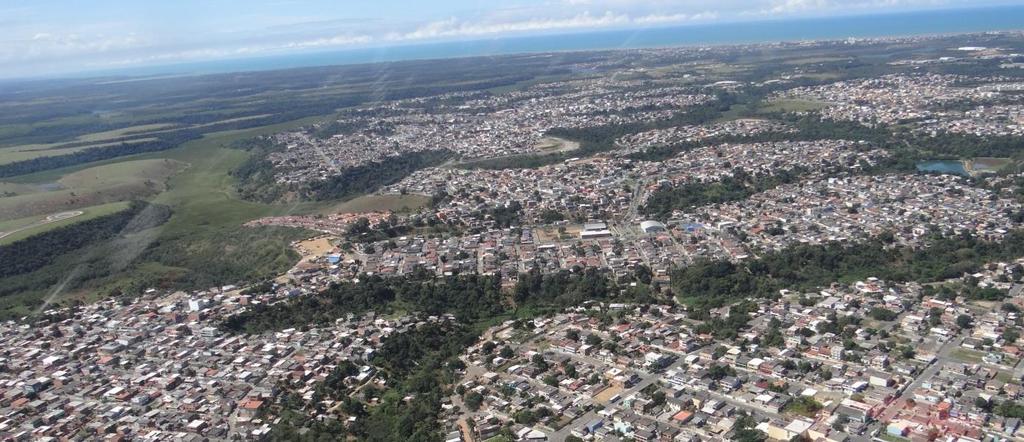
(59,36)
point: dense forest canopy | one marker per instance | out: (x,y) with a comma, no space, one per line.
(737,186)
(708,284)
(37,251)
(469,297)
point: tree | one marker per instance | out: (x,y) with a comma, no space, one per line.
(983,404)
(525,417)
(718,372)
(803,406)
(572,335)
(549,216)
(539,362)
(715,283)
(1010,409)
(643,274)
(473,400)
(570,370)
(488,347)
(839,424)
(964,321)
(1011,335)
(907,352)
(774,338)
(881,314)
(745,431)
(658,398)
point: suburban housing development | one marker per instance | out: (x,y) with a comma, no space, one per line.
(817,241)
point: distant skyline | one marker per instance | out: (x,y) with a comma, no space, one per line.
(48,37)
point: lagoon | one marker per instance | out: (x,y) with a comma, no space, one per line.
(953,167)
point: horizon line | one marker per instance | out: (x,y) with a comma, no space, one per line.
(156,71)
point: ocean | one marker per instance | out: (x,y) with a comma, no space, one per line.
(948,21)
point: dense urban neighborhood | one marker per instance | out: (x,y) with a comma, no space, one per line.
(661,245)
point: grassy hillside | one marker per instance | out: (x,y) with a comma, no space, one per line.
(203,243)
(108,183)
(25,227)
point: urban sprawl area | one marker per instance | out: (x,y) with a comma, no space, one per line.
(856,358)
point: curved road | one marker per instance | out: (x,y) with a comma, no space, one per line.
(49,219)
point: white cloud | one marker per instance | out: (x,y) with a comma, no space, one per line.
(25,44)
(453,27)
(803,6)
(53,44)
(169,56)
(338,40)
(675,18)
(456,28)
(798,6)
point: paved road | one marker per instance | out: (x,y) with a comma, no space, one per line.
(625,227)
(941,358)
(646,379)
(565,431)
(747,406)
(1016,290)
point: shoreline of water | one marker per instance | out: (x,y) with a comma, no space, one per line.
(901,24)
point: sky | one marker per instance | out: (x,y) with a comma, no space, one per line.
(46,37)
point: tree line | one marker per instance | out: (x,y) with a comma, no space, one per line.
(470,297)
(597,139)
(40,250)
(372,176)
(92,154)
(738,186)
(419,364)
(256,175)
(715,283)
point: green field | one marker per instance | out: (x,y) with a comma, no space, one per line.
(88,213)
(9,189)
(967,355)
(890,438)
(108,183)
(792,106)
(735,112)
(371,203)
(28,152)
(815,60)
(203,242)
(987,164)
(204,193)
(24,152)
(202,245)
(718,71)
(124,131)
